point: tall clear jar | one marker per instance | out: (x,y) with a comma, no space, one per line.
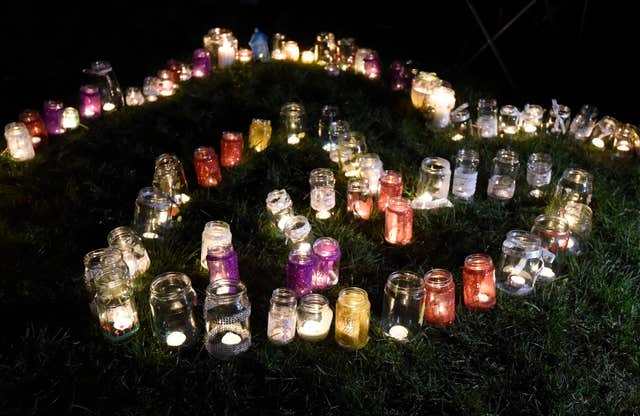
(371,168)
(502,183)
(479,282)
(352,318)
(97,262)
(152,213)
(350,148)
(583,123)
(465,175)
(440,298)
(539,168)
(297,232)
(390,186)
(116,308)
(402,306)
(487,119)
(328,115)
(323,194)
(314,317)
(398,221)
(279,207)
(300,270)
(338,132)
(169,177)
(520,263)
(603,133)
(576,185)
(509,116)
(359,198)
(226,313)
(172,300)
(433,186)
(215,233)
(326,255)
(259,134)
(531,119)
(292,116)
(559,119)
(133,251)
(281,325)
(460,123)
(19,142)
(579,216)
(554,234)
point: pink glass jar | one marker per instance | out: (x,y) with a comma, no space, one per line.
(398,224)
(390,185)
(440,303)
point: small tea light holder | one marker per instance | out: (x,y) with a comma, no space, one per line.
(231,149)
(292,116)
(104,77)
(625,140)
(281,324)
(390,186)
(346,53)
(323,194)
(603,133)
(479,286)
(259,134)
(350,147)
(460,123)
(398,221)
(520,263)
(371,169)
(166,86)
(19,142)
(70,118)
(152,213)
(278,55)
(151,88)
(583,123)
(509,120)
(226,55)
(575,185)
(172,300)
(502,184)
(259,44)
(205,161)
(97,262)
(169,177)
(539,168)
(326,255)
(402,306)
(531,119)
(325,48)
(201,63)
(297,232)
(559,118)
(465,175)
(487,119)
(222,262)
(280,208)
(353,311)
(421,88)
(338,132)
(554,233)
(440,298)
(433,186)
(90,102)
(314,317)
(134,97)
(226,313)
(214,234)
(579,216)
(133,251)
(291,51)
(328,116)
(359,198)
(37,130)
(440,102)
(372,65)
(307,57)
(116,308)
(400,76)
(358,65)
(244,56)
(52,115)
(299,268)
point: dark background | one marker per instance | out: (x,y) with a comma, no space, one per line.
(576,51)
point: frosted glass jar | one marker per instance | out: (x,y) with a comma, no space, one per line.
(465,175)
(502,183)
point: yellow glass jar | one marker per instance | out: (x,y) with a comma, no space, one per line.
(352,318)
(259,134)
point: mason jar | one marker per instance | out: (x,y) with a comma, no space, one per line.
(371,169)
(479,282)
(433,186)
(70,118)
(326,255)
(90,105)
(281,324)
(314,317)
(205,161)
(520,263)
(323,194)
(52,115)
(559,118)
(169,177)
(625,140)
(172,300)
(579,216)
(97,262)
(133,251)
(440,298)
(390,186)
(300,269)
(134,97)
(350,147)
(603,133)
(422,86)
(338,132)
(358,65)
(292,116)
(151,88)
(201,63)
(398,221)
(328,115)
(399,76)
(259,134)
(297,232)
(531,119)
(226,313)
(575,185)
(359,198)
(583,123)
(19,142)
(352,318)
(508,119)
(460,123)
(502,184)
(231,149)
(402,306)
(279,207)
(116,308)
(103,76)
(152,214)
(487,119)
(37,130)
(554,233)
(215,233)
(346,53)
(465,175)
(539,168)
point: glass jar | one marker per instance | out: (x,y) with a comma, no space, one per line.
(398,221)
(440,298)
(52,115)
(326,255)
(166,84)
(179,70)
(338,133)
(277,42)
(371,169)
(559,117)
(359,199)
(152,212)
(314,317)
(352,318)
(576,185)
(103,76)
(172,301)
(346,53)
(579,216)
(487,121)
(520,263)
(554,233)
(19,142)
(421,87)
(216,234)
(358,62)
(539,168)
(372,65)
(328,116)
(205,162)
(201,63)
(400,77)
(279,207)
(583,123)
(508,120)
(222,262)
(116,308)
(479,281)
(134,97)
(402,306)
(281,325)
(433,187)
(70,118)
(603,133)
(465,175)
(133,252)
(99,261)
(625,140)
(259,134)
(291,51)
(460,123)
(390,186)
(502,184)
(325,48)
(323,194)
(231,147)
(90,102)
(227,47)
(297,231)
(226,314)
(292,116)
(151,88)
(350,147)
(169,178)
(441,101)
(531,119)
(37,130)
(300,267)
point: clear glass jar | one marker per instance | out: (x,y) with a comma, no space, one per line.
(201,63)
(259,134)
(323,194)
(441,101)
(326,255)
(465,175)
(37,130)
(539,168)
(508,119)
(350,147)
(502,184)
(390,186)
(479,282)
(421,87)
(281,325)
(90,102)
(440,298)
(133,252)
(52,115)
(554,233)
(231,148)
(576,185)
(402,306)
(214,234)
(338,132)
(297,231)
(625,140)
(292,116)
(116,308)
(371,168)
(398,221)
(433,186)
(169,178)
(103,76)
(134,97)
(325,48)
(221,258)
(300,270)
(19,142)
(152,212)
(226,314)
(603,133)
(359,199)
(314,317)
(205,162)
(172,301)
(487,120)
(460,123)
(531,119)
(559,117)
(346,53)
(279,207)
(99,261)
(583,123)
(352,318)
(520,263)
(328,115)
(579,216)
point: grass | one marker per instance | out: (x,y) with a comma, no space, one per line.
(570,348)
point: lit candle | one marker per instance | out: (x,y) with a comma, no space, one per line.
(398,332)
(547,273)
(312,331)
(291,51)
(201,63)
(90,102)
(122,318)
(166,85)
(245,55)
(70,118)
(483,298)
(231,339)
(307,57)
(134,97)
(35,125)
(176,338)
(278,55)
(441,101)
(226,55)
(516,280)
(19,141)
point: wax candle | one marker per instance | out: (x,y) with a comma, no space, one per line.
(226,55)
(478,275)
(441,101)
(440,298)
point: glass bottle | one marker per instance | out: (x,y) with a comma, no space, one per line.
(554,234)
(579,216)
(90,102)
(402,306)
(371,168)
(539,168)
(390,186)
(134,97)
(433,186)
(205,162)
(398,221)
(297,231)
(172,300)
(52,115)
(281,324)
(465,175)
(116,308)
(603,132)
(440,298)
(215,233)
(559,117)
(133,251)
(323,194)
(350,147)
(352,318)
(326,255)
(328,115)
(338,132)
(460,123)
(508,119)
(314,317)
(575,185)
(259,134)
(231,148)
(19,142)
(502,184)
(583,123)
(487,121)
(479,281)
(152,214)
(103,76)
(169,178)
(201,63)
(37,130)
(299,268)
(359,199)
(279,207)
(520,263)
(292,116)
(226,313)
(531,119)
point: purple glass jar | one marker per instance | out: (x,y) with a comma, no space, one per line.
(400,77)
(52,112)
(90,105)
(201,63)
(222,262)
(326,254)
(300,266)
(372,66)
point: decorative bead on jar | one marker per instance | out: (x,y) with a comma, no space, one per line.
(479,282)
(133,251)
(346,53)
(172,300)
(402,306)
(359,198)
(90,102)
(433,186)
(116,308)
(579,216)
(583,123)
(440,298)
(508,120)
(398,221)
(300,269)
(103,76)
(338,133)
(559,118)
(292,116)
(100,261)
(520,263)
(231,148)
(314,317)
(297,231)
(19,142)
(399,76)
(603,133)
(52,115)
(326,255)
(152,214)
(70,118)
(323,194)
(421,88)
(554,234)
(460,123)
(37,130)
(325,48)
(151,88)
(352,318)
(226,313)
(259,134)
(279,208)
(350,148)
(531,119)
(487,119)
(281,324)
(169,177)
(328,115)
(539,168)
(575,185)
(390,186)
(201,63)
(502,184)
(371,169)
(465,175)
(134,97)
(625,140)
(205,162)
(440,102)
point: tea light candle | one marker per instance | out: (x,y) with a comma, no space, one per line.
(201,63)
(226,55)
(19,142)
(122,318)
(90,102)
(398,332)
(166,85)
(307,57)
(38,132)
(516,280)
(231,338)
(259,134)
(441,101)
(70,118)
(440,304)
(176,338)
(278,55)
(245,55)
(134,97)
(291,51)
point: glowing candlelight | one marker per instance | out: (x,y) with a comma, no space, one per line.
(547,273)
(70,118)
(245,55)
(176,338)
(231,339)
(278,55)
(291,51)
(398,332)
(307,57)
(226,55)
(516,280)
(483,298)
(122,318)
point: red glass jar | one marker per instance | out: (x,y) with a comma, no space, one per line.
(390,185)
(36,127)
(479,280)
(231,148)
(207,167)
(440,300)
(398,221)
